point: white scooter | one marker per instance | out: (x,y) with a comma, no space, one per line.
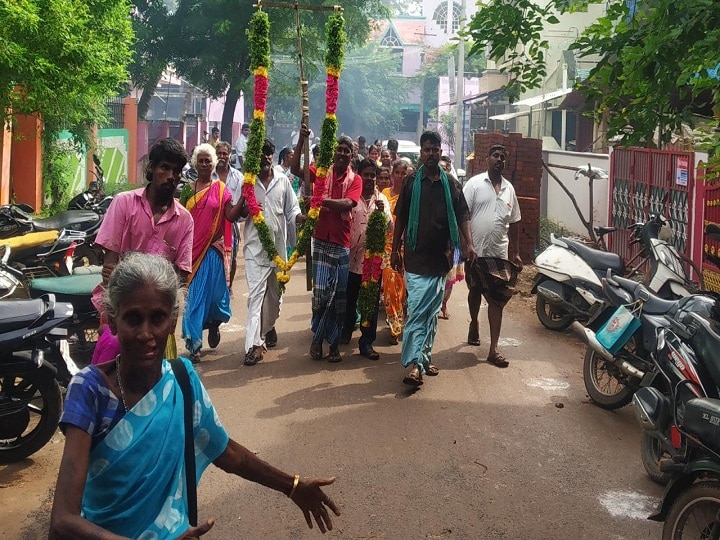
(568,283)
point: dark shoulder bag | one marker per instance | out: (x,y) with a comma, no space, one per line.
(183,380)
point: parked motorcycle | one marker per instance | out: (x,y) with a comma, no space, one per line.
(34,363)
(16,220)
(44,254)
(690,505)
(568,283)
(93,198)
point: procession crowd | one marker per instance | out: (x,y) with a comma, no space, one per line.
(435,232)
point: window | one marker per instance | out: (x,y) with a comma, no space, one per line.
(392,42)
(441,16)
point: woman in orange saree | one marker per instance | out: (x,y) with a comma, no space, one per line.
(208,297)
(394,282)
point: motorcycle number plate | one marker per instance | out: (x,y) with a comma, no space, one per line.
(64,347)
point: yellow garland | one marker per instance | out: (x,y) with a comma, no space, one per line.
(249,178)
(314,213)
(335,72)
(321,172)
(331,116)
(258,218)
(258,114)
(261,70)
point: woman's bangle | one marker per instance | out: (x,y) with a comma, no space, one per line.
(296,481)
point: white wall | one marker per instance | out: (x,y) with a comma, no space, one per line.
(555,203)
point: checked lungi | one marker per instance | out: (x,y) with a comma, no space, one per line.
(331,266)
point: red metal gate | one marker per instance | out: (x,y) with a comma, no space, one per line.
(710,181)
(640,181)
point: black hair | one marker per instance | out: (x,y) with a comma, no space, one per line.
(268,147)
(495,147)
(315,150)
(364,164)
(432,136)
(169,150)
(216,130)
(392,145)
(284,152)
(361,140)
(244,126)
(224,144)
(347,141)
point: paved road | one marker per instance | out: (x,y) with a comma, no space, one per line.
(476,453)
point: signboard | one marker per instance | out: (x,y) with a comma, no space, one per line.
(681,171)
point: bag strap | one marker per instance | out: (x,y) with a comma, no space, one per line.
(183,380)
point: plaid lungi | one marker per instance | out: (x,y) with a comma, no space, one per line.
(494,277)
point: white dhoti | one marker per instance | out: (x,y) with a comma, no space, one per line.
(263,303)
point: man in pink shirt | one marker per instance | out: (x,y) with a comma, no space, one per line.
(148,220)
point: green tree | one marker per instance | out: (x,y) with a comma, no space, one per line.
(656,57)
(63,59)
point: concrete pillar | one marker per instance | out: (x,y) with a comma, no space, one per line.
(26,161)
(5,149)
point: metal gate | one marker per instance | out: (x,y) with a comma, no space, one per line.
(640,181)
(710,181)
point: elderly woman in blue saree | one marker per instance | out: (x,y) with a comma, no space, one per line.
(208,298)
(123,467)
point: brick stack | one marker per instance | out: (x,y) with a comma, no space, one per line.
(524,169)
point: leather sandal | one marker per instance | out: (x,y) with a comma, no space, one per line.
(413,377)
(316,352)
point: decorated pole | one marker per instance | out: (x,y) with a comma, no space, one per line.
(259,37)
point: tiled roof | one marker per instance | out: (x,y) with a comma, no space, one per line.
(410,30)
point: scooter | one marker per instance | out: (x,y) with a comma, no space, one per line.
(568,281)
(34,364)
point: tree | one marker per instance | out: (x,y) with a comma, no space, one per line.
(63,59)
(206,42)
(656,58)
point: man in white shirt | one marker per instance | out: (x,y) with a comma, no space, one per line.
(494,218)
(275,195)
(233,180)
(241,144)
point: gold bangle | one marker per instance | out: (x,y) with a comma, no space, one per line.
(296,481)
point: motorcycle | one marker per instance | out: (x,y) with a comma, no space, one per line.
(690,505)
(93,198)
(34,364)
(16,220)
(568,283)
(43,254)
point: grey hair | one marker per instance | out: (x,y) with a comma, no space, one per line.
(138,269)
(204,148)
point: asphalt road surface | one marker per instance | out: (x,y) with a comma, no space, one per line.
(477,452)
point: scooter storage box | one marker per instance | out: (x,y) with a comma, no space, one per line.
(618,330)
(702,419)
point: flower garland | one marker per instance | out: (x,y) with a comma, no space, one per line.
(372,266)
(334,56)
(259,37)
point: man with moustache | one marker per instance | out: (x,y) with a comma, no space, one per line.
(494,218)
(148,220)
(431,219)
(233,180)
(331,249)
(275,195)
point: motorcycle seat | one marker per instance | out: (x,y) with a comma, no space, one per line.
(597,259)
(74,285)
(18,243)
(16,314)
(701,419)
(69,219)
(602,231)
(705,341)
(654,305)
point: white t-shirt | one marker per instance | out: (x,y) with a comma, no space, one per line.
(491,214)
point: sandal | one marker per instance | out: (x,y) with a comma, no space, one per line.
(316,352)
(444,314)
(334,355)
(252,358)
(214,334)
(432,370)
(498,360)
(413,377)
(195,358)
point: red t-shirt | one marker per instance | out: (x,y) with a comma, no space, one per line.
(331,225)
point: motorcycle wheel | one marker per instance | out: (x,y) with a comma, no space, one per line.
(650,452)
(606,385)
(549,318)
(36,421)
(694,512)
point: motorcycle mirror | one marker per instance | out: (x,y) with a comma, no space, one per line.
(6,254)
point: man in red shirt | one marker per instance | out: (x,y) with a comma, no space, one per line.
(331,250)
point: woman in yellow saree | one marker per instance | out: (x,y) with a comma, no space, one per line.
(394,282)
(208,296)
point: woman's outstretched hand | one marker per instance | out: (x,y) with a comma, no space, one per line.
(197,532)
(314,503)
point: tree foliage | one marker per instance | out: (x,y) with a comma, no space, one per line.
(656,57)
(206,42)
(63,59)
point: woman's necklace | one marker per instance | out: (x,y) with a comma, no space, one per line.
(122,392)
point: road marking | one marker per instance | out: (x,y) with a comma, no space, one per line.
(628,504)
(232,327)
(547,384)
(509,342)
